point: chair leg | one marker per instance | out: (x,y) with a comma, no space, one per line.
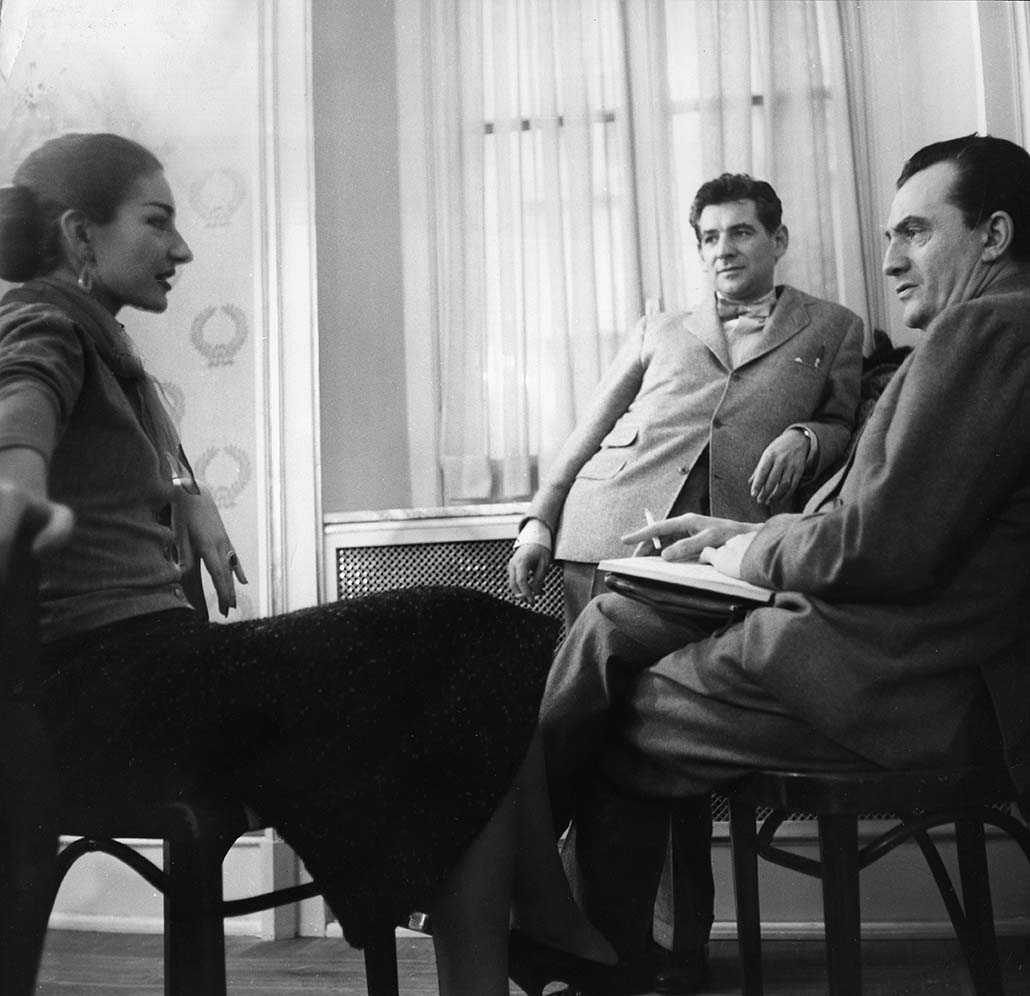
(838,844)
(28,846)
(194,935)
(744,849)
(381,962)
(980,945)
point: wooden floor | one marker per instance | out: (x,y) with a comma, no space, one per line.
(83,964)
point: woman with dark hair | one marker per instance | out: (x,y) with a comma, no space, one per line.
(390,739)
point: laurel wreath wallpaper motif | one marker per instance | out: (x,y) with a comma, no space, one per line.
(182,78)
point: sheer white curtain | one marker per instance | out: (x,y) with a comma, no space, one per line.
(559,144)
(746,86)
(526,150)
(1021,17)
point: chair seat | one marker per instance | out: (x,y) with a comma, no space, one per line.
(159,820)
(880,791)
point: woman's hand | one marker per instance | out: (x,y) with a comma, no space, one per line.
(527,570)
(199,531)
(24,504)
(683,537)
(50,522)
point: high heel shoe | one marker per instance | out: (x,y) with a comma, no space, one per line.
(532,965)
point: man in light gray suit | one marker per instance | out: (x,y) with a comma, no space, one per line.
(898,636)
(725,409)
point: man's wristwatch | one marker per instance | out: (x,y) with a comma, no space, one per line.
(808,434)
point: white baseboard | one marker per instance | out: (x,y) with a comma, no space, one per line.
(244,926)
(102,894)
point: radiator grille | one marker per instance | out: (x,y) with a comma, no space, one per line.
(478,564)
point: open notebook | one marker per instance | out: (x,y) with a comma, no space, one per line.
(686,574)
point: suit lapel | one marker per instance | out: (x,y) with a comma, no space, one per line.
(704,324)
(788,318)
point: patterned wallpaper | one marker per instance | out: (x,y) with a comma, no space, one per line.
(182,78)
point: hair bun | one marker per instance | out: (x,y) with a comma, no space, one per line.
(21,233)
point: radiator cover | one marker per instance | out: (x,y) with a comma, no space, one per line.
(480,564)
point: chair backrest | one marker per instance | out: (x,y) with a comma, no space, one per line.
(28,794)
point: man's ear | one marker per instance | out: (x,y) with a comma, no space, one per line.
(77,230)
(999,231)
(781,239)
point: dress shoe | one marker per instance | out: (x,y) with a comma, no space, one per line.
(635,978)
(533,965)
(683,974)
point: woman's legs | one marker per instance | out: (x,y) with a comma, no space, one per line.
(471,910)
(514,858)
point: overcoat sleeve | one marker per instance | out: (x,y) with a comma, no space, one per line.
(615,394)
(941,453)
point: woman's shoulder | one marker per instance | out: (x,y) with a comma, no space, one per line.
(25,317)
(41,341)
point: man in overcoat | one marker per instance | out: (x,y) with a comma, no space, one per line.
(899,634)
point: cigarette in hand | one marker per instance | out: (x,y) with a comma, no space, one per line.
(650,521)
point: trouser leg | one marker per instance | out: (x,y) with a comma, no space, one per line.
(593,673)
(693,885)
(614,858)
(617,847)
(580,583)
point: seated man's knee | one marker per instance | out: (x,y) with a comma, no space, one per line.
(642,630)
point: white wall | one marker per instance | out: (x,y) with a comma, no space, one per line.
(361,310)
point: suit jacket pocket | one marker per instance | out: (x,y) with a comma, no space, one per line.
(612,455)
(604,464)
(808,362)
(624,434)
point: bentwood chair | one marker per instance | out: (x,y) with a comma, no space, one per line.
(197,832)
(28,827)
(969,798)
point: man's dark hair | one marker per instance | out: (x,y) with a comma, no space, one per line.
(738,187)
(992,174)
